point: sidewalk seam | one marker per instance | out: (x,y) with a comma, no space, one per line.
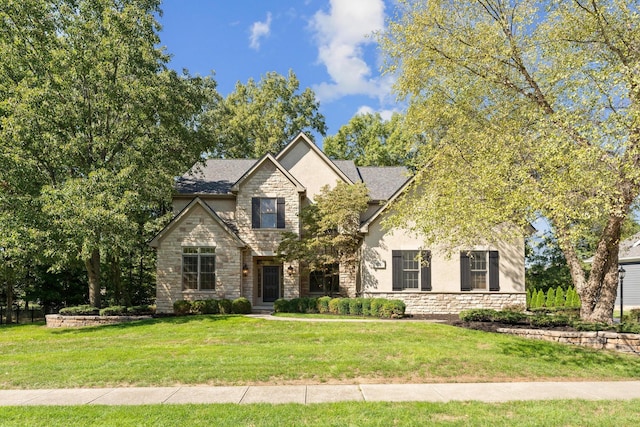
(172,394)
(246,390)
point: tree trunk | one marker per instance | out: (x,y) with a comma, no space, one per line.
(9,312)
(93,271)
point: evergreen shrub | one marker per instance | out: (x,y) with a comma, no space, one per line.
(323,304)
(225,306)
(392,309)
(477,315)
(333,305)
(114,310)
(181,308)
(343,306)
(80,310)
(241,306)
(355,306)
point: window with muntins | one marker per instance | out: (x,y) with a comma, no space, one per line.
(267,212)
(479,271)
(325,281)
(199,268)
(411,270)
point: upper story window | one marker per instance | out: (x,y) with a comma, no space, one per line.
(199,268)
(267,212)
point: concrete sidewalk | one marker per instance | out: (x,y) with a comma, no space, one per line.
(308,394)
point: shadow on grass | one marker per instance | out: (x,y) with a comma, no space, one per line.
(169,320)
(571,356)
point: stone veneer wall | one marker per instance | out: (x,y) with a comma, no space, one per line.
(601,340)
(450,303)
(59,321)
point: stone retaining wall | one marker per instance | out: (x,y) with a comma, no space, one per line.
(451,302)
(59,321)
(601,340)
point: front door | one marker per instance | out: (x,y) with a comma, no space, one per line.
(270,283)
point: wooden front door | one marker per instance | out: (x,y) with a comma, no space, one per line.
(270,283)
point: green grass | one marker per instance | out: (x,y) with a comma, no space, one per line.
(220,350)
(544,413)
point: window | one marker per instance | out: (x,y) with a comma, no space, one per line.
(267,212)
(325,281)
(479,270)
(199,268)
(411,270)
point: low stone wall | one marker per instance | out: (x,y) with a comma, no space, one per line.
(450,302)
(601,340)
(59,321)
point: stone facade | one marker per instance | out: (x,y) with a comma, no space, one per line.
(601,340)
(451,303)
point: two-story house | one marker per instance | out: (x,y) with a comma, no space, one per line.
(230,217)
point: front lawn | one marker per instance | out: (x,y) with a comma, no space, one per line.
(219,350)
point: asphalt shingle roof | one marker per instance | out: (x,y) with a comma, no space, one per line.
(630,248)
(383,181)
(216,176)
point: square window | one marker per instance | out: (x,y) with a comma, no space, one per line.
(198,268)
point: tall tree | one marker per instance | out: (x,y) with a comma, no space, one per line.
(369,140)
(91,113)
(261,117)
(534,109)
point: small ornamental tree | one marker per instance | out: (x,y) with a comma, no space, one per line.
(551,298)
(330,229)
(540,298)
(560,300)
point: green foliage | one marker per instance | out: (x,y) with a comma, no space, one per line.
(572,298)
(282,305)
(181,307)
(116,310)
(560,297)
(477,315)
(142,310)
(330,228)
(343,306)
(323,304)
(528,298)
(260,117)
(550,300)
(241,306)
(628,328)
(376,306)
(593,326)
(333,305)
(198,306)
(355,306)
(540,299)
(366,306)
(369,140)
(634,315)
(80,310)
(225,306)
(539,101)
(543,320)
(392,309)
(509,317)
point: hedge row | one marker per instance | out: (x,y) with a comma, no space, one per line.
(567,317)
(374,307)
(553,298)
(117,310)
(212,306)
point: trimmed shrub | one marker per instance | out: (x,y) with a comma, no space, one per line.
(355,306)
(225,306)
(80,310)
(376,306)
(366,306)
(477,315)
(634,315)
(142,310)
(540,298)
(509,317)
(343,306)
(392,309)
(304,305)
(592,327)
(323,304)
(541,320)
(518,308)
(181,308)
(198,306)
(282,305)
(628,328)
(560,299)
(115,310)
(333,305)
(241,306)
(528,298)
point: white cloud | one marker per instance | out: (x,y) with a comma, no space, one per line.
(341,35)
(385,114)
(258,31)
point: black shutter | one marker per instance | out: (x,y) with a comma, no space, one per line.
(396,270)
(494,271)
(255,212)
(465,272)
(280,212)
(425,271)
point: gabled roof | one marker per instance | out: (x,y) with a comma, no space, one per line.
(304,139)
(155,242)
(265,159)
(216,176)
(383,181)
(364,228)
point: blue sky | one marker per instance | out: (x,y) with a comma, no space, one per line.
(327,43)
